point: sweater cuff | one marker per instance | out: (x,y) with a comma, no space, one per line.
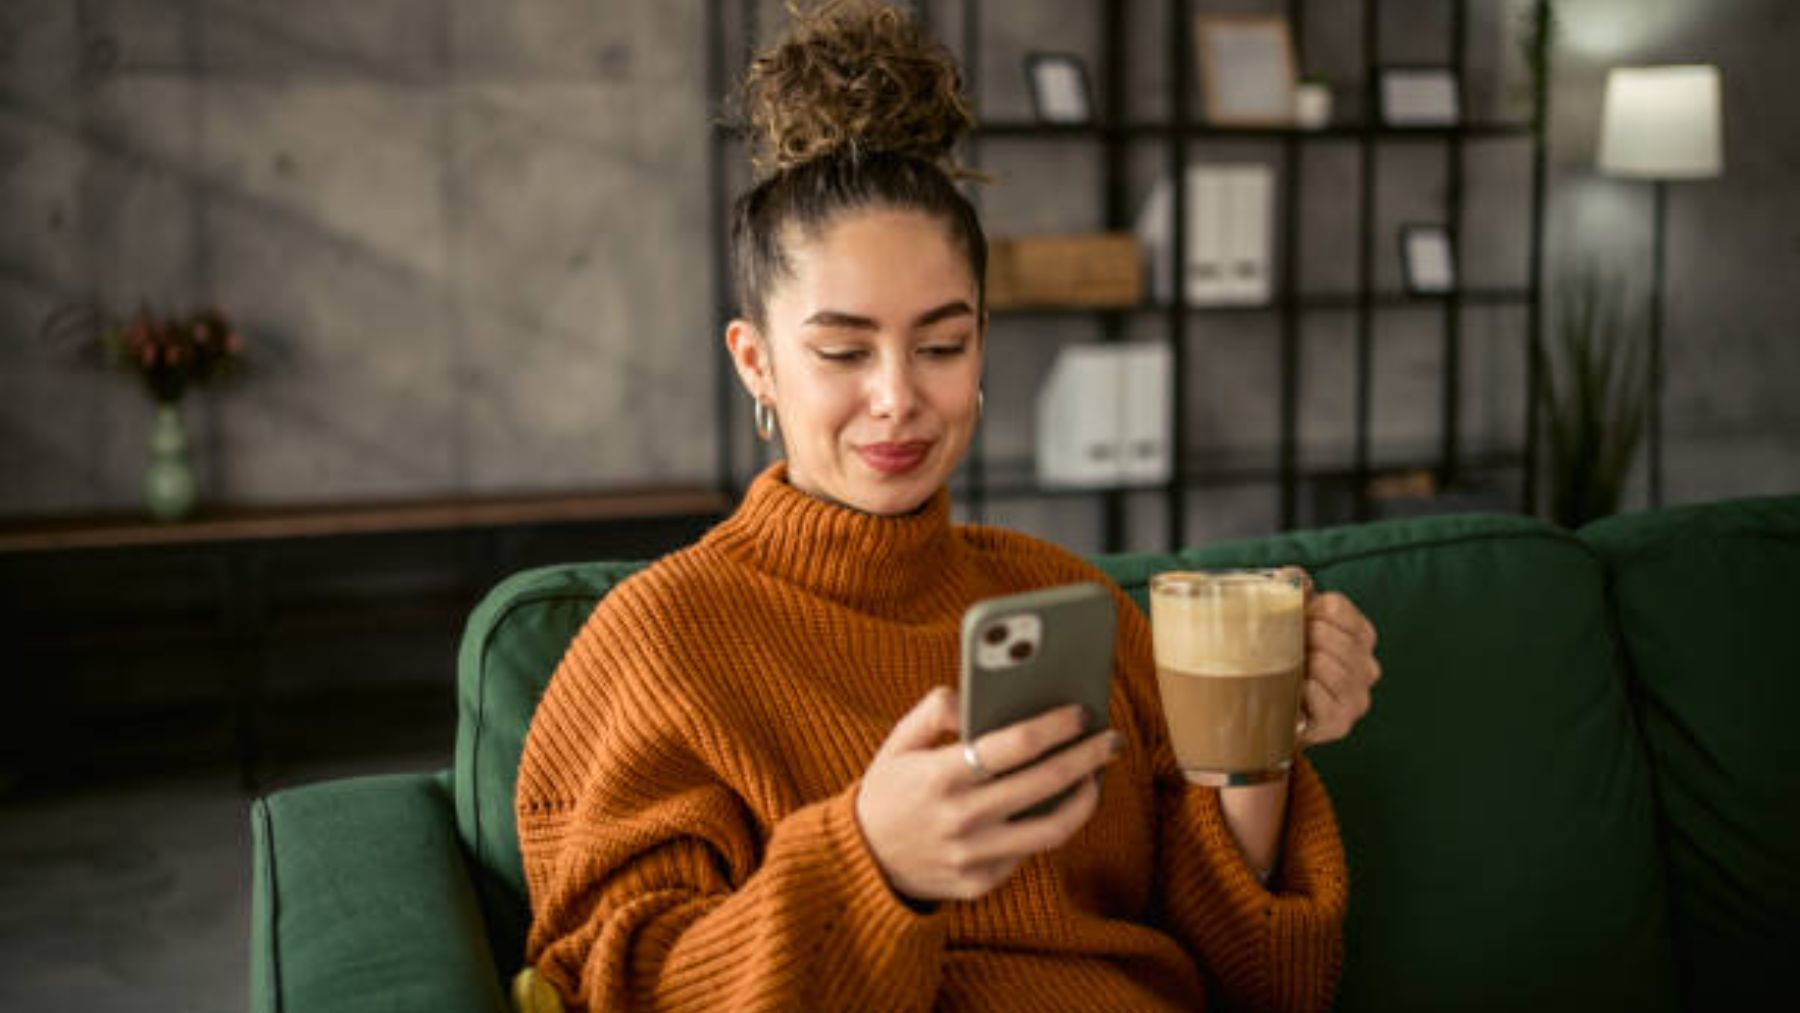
(1310,866)
(1279,951)
(1312,852)
(904,937)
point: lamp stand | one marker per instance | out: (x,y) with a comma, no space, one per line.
(1661,190)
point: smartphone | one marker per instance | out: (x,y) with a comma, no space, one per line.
(1025,654)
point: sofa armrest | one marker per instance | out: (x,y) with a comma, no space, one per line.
(361,901)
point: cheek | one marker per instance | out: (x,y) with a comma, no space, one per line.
(959,392)
(824,405)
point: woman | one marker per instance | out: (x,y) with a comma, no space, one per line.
(742,788)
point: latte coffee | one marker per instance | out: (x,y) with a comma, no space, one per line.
(1230,659)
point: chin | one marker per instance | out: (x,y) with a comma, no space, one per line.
(893,495)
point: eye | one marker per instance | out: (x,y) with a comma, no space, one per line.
(840,354)
(945,351)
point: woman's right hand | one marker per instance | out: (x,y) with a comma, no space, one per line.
(940,831)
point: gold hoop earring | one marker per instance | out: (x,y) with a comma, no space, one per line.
(765,420)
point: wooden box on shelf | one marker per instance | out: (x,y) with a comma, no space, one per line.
(1098,270)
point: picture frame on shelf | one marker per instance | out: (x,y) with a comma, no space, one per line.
(1058,83)
(1247,70)
(1427,259)
(1420,97)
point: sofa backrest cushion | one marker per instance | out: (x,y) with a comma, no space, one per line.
(1495,805)
(511,646)
(1708,604)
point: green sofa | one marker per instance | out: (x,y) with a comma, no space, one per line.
(1579,788)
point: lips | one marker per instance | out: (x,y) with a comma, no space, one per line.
(894,458)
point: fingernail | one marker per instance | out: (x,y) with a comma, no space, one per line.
(1117,745)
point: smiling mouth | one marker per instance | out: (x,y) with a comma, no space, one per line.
(894,458)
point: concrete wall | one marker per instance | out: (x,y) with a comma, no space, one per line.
(465,238)
(469,241)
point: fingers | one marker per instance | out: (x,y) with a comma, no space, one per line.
(1322,638)
(1001,797)
(1336,611)
(1018,745)
(1011,841)
(929,720)
(1335,699)
(1345,665)
(1317,706)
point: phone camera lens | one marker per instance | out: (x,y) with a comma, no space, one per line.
(995,634)
(1021,650)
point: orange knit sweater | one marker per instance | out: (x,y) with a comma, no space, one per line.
(686,801)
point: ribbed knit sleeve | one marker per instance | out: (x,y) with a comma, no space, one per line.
(1279,950)
(652,886)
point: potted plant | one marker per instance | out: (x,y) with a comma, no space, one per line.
(1593,395)
(169,353)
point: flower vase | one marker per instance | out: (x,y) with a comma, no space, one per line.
(169,486)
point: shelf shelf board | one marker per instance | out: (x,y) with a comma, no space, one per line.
(1015,479)
(220,524)
(1032,130)
(1028,130)
(1305,303)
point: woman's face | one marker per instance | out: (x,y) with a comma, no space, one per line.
(872,359)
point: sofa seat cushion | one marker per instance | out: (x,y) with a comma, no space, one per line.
(1706,602)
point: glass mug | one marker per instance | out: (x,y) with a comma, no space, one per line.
(1230,660)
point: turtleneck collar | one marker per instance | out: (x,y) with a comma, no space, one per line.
(900,567)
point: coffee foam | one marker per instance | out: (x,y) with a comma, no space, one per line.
(1254,629)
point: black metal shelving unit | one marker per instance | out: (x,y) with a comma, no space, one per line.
(982,480)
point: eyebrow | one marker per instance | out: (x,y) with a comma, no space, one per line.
(833,318)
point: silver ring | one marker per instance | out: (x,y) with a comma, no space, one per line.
(974,762)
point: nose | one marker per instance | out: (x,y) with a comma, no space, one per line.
(891,393)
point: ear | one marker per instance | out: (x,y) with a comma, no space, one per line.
(749,354)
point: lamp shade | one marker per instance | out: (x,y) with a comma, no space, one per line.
(1662,123)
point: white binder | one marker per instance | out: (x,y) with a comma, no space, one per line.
(1250,202)
(1103,417)
(1230,219)
(1145,426)
(1078,419)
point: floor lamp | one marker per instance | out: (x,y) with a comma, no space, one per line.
(1660,124)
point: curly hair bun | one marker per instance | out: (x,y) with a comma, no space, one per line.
(856,78)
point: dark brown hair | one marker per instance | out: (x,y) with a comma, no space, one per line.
(854,108)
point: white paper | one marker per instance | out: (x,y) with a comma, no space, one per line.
(1431,265)
(1061,98)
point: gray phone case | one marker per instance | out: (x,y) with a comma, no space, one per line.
(1070,661)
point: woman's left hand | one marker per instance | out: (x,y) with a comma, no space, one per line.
(1341,669)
